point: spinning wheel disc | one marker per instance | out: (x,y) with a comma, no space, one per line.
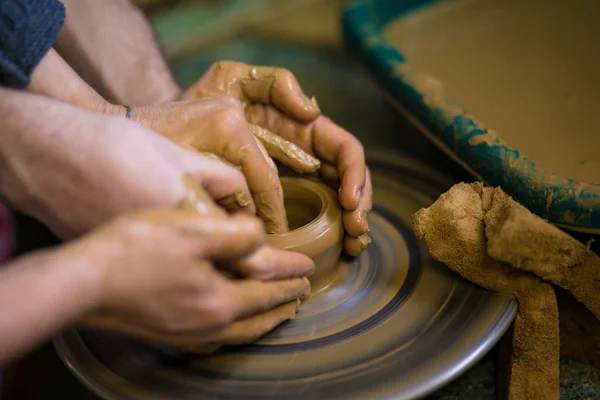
(395,325)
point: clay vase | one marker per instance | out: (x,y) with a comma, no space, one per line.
(315,221)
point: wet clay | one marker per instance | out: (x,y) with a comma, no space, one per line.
(285,151)
(526,69)
(315,219)
(454,228)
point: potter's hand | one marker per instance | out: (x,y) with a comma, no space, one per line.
(86,168)
(255,85)
(273,100)
(217,125)
(159,280)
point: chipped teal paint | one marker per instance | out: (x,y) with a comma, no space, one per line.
(570,204)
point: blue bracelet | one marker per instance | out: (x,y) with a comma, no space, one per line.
(128,114)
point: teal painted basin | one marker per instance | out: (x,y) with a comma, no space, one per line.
(564,202)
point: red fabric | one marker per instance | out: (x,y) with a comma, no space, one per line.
(7,234)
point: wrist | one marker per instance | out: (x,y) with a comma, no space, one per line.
(86,263)
(115,110)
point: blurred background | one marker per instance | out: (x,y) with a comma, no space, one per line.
(301,35)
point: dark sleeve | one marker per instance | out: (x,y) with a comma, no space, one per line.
(28,29)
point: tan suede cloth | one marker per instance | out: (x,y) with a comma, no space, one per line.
(491,240)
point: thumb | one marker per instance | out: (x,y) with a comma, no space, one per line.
(217,181)
(213,236)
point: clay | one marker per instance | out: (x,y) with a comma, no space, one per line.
(315,219)
(455,232)
(526,69)
(286,152)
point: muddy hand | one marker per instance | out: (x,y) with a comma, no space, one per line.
(260,265)
(265,262)
(158,281)
(218,125)
(255,85)
(297,119)
(285,151)
(263,85)
(342,165)
(249,330)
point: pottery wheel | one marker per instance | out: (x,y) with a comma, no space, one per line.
(396,325)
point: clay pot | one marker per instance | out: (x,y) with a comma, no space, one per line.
(315,219)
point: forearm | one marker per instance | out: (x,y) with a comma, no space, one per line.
(111,46)
(53,77)
(45,148)
(41,294)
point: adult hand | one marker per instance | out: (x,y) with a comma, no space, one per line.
(273,100)
(160,281)
(94,167)
(217,125)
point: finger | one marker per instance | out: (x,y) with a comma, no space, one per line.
(264,152)
(286,152)
(223,182)
(274,172)
(252,297)
(279,87)
(211,155)
(197,200)
(325,140)
(183,341)
(334,145)
(251,329)
(354,246)
(245,235)
(330,176)
(356,222)
(232,237)
(263,181)
(268,263)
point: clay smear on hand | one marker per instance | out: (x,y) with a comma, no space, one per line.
(253,327)
(256,84)
(285,151)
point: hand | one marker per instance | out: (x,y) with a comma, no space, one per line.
(95,167)
(217,125)
(273,100)
(160,279)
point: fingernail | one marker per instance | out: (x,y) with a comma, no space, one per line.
(254,73)
(357,193)
(309,103)
(309,273)
(365,241)
(364,221)
(308,287)
(315,104)
(242,198)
